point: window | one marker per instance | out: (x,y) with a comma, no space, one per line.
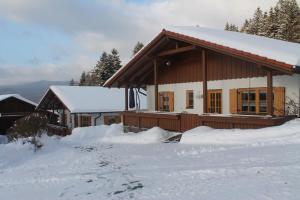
(214,101)
(252,101)
(85,121)
(166,101)
(189,99)
(248,101)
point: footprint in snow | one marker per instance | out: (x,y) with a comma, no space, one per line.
(85,149)
(128,187)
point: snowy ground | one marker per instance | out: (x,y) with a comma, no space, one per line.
(103,163)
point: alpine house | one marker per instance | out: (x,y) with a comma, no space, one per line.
(197,76)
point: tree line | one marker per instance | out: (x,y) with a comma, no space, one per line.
(280,22)
(105,67)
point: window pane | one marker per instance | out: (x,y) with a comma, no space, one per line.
(262,101)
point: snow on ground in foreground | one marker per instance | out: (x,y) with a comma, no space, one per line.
(104,163)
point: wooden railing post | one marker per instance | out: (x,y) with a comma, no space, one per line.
(204,81)
(270,93)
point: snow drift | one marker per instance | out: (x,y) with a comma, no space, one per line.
(284,134)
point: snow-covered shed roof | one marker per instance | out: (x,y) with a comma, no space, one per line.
(17,96)
(280,55)
(279,50)
(88,99)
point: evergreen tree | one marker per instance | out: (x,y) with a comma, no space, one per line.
(108,65)
(272,23)
(231,27)
(137,47)
(297,30)
(256,23)
(245,27)
(116,62)
(99,68)
(281,22)
(288,15)
(72,82)
(82,78)
(264,28)
(226,26)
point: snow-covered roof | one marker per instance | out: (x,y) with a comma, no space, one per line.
(17,96)
(284,55)
(85,99)
(279,50)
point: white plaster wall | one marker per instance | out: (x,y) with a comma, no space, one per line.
(291,84)
(150,97)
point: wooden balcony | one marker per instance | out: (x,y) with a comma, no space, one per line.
(58,130)
(181,122)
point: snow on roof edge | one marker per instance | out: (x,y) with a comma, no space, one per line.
(270,48)
(94,98)
(17,96)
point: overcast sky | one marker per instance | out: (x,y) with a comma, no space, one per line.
(58,39)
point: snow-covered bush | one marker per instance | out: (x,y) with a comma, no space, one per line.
(292,107)
(30,129)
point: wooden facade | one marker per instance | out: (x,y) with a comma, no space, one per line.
(12,109)
(173,58)
(187,67)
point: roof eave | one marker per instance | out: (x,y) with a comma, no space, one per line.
(111,82)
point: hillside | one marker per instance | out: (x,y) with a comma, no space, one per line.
(33,91)
(104,163)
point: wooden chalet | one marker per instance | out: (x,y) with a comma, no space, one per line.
(12,108)
(196,76)
(81,106)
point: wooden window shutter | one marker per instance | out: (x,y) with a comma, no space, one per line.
(171,101)
(233,101)
(279,101)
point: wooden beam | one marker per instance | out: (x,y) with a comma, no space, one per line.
(177,50)
(126,98)
(270,93)
(204,81)
(155,84)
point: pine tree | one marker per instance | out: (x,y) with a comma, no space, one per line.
(255,24)
(72,82)
(107,66)
(264,26)
(281,22)
(82,78)
(116,62)
(100,67)
(226,26)
(231,27)
(245,27)
(272,23)
(297,30)
(288,13)
(137,47)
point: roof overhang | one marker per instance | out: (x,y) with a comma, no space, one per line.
(139,61)
(51,101)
